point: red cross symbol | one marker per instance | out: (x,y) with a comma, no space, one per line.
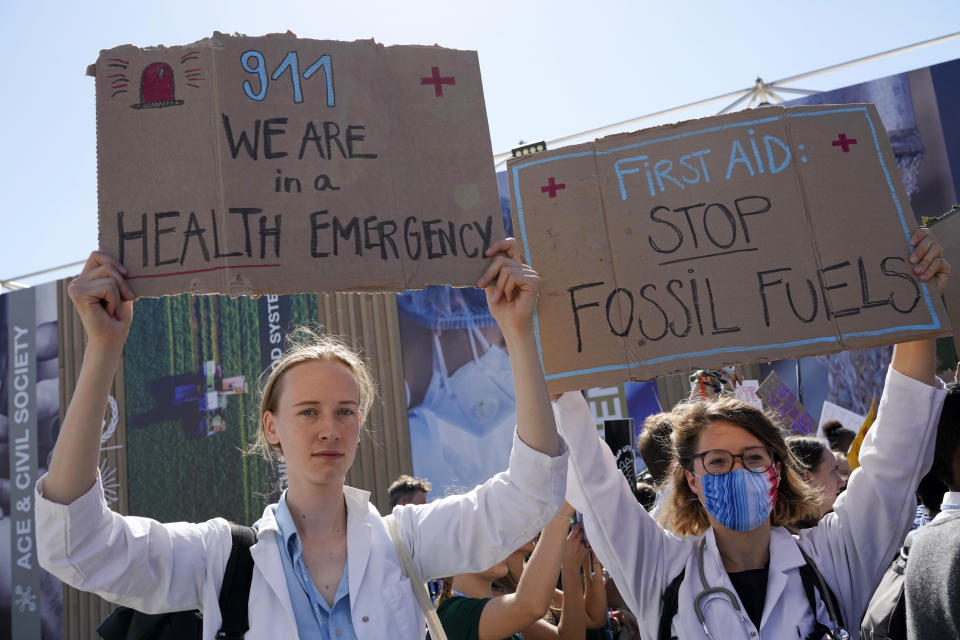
(843,141)
(552,187)
(437,81)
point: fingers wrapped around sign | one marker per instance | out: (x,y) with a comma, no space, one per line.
(103,298)
(927,258)
(512,288)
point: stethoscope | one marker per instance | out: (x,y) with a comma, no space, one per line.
(838,632)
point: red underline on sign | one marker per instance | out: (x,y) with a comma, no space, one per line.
(182,273)
(708,255)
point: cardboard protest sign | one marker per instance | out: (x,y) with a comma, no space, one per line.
(784,402)
(764,234)
(747,391)
(947,230)
(277,164)
(847,418)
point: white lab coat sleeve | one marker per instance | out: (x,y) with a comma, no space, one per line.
(854,545)
(638,553)
(471,532)
(132,561)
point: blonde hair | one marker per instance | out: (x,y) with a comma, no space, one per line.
(306,344)
(683,513)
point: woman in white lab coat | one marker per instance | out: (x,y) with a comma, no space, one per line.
(742,571)
(332,569)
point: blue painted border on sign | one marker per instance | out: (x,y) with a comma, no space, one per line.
(893,195)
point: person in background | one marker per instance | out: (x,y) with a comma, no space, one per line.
(932,578)
(647,494)
(839,437)
(654,446)
(843,465)
(819,468)
(469,609)
(408,490)
(929,498)
(657,452)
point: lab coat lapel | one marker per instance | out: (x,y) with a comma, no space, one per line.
(359,537)
(266,559)
(785,556)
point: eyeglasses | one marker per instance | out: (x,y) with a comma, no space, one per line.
(717,462)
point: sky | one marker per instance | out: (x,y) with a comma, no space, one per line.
(550,69)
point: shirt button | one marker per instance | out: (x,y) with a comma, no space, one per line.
(752,633)
(337,632)
(366,619)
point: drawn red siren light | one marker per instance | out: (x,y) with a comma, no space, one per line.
(156,87)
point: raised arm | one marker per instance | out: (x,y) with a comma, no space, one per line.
(871,518)
(509,509)
(132,561)
(516,611)
(917,359)
(102,298)
(595,598)
(512,290)
(637,552)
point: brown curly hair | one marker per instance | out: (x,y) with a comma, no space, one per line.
(683,513)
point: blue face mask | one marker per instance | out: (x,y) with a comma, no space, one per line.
(740,499)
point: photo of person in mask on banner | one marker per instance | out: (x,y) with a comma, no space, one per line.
(461,407)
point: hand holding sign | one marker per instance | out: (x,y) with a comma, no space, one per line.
(103,299)
(512,288)
(280,164)
(927,258)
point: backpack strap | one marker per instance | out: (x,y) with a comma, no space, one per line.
(235,590)
(409,570)
(812,579)
(669,604)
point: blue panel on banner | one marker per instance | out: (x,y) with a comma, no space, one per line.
(946,84)
(642,401)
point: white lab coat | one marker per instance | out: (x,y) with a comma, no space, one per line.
(852,546)
(156,567)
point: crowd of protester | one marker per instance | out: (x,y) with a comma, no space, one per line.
(739,531)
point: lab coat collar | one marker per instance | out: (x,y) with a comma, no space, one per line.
(266,559)
(785,556)
(360,518)
(359,536)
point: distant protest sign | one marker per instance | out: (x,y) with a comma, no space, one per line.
(278,165)
(847,418)
(764,234)
(784,403)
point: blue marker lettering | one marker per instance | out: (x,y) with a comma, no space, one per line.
(665,174)
(625,172)
(696,172)
(774,167)
(738,155)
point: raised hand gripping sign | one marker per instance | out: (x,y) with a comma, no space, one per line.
(764,234)
(278,164)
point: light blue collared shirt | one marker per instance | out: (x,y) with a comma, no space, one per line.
(315,618)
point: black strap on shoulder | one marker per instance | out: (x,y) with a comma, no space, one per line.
(809,575)
(235,590)
(669,604)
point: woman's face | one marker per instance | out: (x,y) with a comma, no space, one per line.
(317,421)
(725,436)
(826,479)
